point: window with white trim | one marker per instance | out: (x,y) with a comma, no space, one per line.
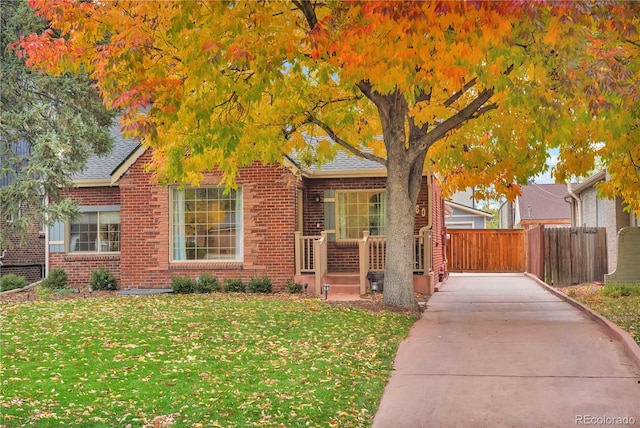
(95,231)
(358,211)
(206,224)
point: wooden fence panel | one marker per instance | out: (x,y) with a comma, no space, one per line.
(574,255)
(535,251)
(485,250)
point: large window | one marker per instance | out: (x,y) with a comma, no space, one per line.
(359,211)
(95,231)
(207,224)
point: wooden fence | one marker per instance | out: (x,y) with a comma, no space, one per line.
(567,256)
(485,250)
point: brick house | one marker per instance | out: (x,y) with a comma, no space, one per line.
(25,255)
(284,220)
(590,211)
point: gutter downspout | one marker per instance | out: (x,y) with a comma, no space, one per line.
(576,221)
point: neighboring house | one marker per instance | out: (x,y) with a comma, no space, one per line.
(283,221)
(589,210)
(465,217)
(25,256)
(538,205)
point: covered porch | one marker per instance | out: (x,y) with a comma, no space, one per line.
(313,268)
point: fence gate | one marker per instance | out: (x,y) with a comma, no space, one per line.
(485,250)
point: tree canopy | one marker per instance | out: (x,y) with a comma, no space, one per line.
(49,126)
(476,91)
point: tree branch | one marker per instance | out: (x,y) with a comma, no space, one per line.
(308,11)
(453,98)
(326,128)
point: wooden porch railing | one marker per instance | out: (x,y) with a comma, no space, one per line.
(320,251)
(305,260)
(311,255)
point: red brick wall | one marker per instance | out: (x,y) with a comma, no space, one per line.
(268,207)
(80,266)
(24,257)
(343,256)
(438,235)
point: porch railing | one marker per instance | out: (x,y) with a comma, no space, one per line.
(305,259)
(311,255)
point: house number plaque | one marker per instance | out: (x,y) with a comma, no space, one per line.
(421,211)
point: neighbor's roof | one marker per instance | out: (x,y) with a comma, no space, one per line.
(546,201)
(102,167)
(470,210)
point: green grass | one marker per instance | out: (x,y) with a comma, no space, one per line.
(194,360)
(619,303)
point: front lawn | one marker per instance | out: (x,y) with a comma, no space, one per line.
(622,310)
(193,361)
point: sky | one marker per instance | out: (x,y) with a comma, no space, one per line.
(552,160)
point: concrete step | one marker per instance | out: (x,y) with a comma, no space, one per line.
(344,289)
(341,278)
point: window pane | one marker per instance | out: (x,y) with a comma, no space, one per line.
(95,231)
(208,227)
(360,211)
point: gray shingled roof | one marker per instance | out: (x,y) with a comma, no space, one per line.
(546,202)
(343,161)
(103,167)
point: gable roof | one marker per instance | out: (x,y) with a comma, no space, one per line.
(589,182)
(470,210)
(99,169)
(107,170)
(543,201)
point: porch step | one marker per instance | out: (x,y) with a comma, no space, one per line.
(342,278)
(343,283)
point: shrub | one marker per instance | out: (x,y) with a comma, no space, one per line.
(206,283)
(293,287)
(102,279)
(11,282)
(43,292)
(618,290)
(56,280)
(234,285)
(259,285)
(182,285)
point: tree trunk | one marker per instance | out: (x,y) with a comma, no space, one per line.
(403,185)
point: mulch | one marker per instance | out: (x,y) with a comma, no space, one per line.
(366,303)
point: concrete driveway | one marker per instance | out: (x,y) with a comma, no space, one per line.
(501,351)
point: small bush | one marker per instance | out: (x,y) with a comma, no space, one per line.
(182,285)
(259,285)
(234,285)
(572,293)
(42,292)
(11,282)
(56,280)
(621,290)
(206,283)
(102,279)
(293,287)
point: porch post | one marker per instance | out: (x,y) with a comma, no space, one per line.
(298,252)
(363,260)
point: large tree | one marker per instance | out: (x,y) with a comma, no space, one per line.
(477,91)
(49,126)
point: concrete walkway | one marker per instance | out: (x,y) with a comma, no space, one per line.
(501,351)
